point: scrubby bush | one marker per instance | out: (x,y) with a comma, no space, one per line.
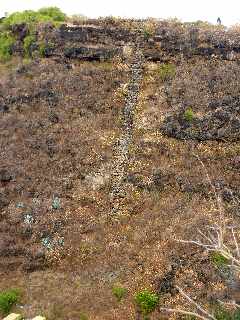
(166,71)
(149,27)
(51,14)
(44,48)
(188,114)
(218,259)
(27,16)
(8,299)
(119,292)
(27,44)
(83,316)
(146,301)
(6,44)
(55,13)
(222,314)
(147,33)
(56,203)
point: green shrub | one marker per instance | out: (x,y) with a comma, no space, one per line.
(188,114)
(146,301)
(44,47)
(8,299)
(236,315)
(119,292)
(218,259)
(147,33)
(27,16)
(166,71)
(222,314)
(51,14)
(6,43)
(27,43)
(83,316)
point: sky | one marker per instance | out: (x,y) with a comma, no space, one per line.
(185,10)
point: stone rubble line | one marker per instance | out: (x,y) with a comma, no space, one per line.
(14,316)
(121,152)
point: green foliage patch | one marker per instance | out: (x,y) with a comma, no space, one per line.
(146,301)
(166,71)
(119,292)
(50,14)
(53,12)
(218,259)
(83,316)
(6,44)
(27,44)
(147,33)
(222,314)
(7,299)
(31,18)
(44,47)
(189,114)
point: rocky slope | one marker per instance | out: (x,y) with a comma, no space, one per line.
(98,165)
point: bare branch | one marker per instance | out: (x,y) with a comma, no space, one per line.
(195,303)
(198,244)
(184,312)
(235,242)
(205,236)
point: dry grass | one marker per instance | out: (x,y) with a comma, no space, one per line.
(138,248)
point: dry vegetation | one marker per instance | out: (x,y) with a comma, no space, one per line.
(60,120)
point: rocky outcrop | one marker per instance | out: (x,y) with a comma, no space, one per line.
(96,34)
(168,38)
(222,123)
(90,53)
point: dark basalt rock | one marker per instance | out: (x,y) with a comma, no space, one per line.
(220,124)
(90,53)
(5,176)
(20,30)
(44,94)
(53,117)
(4,202)
(160,179)
(4,107)
(166,284)
(21,69)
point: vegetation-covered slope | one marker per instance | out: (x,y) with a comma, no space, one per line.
(163,93)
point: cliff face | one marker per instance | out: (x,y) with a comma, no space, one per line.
(157,39)
(99,164)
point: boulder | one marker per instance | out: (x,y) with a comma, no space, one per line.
(5,176)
